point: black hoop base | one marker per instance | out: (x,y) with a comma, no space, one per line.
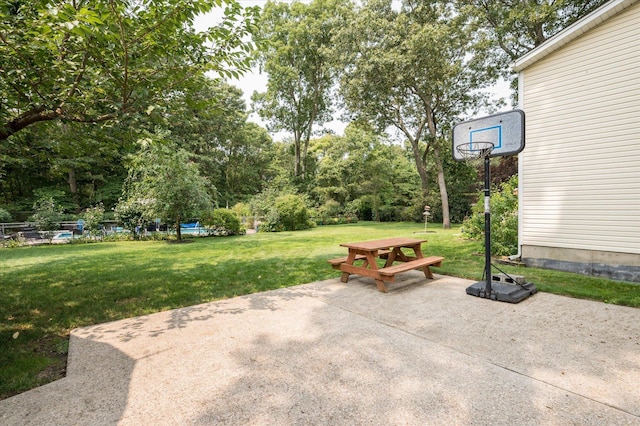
(502,292)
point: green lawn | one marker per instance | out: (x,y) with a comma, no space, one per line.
(49,290)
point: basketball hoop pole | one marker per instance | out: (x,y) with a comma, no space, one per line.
(487,224)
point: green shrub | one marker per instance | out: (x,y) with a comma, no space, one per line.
(271,222)
(61,198)
(222,222)
(412,212)
(339,220)
(5,216)
(330,208)
(504,219)
(330,213)
(11,243)
(47,217)
(115,237)
(289,213)
(130,213)
(362,207)
(243,211)
(93,218)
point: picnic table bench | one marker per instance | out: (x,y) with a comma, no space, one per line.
(389,249)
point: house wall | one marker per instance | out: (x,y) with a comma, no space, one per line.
(580,169)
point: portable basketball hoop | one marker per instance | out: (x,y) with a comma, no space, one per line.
(497,135)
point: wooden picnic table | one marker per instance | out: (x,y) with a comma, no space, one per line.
(390,249)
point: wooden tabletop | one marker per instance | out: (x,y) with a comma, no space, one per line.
(384,244)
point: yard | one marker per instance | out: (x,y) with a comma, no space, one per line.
(49,290)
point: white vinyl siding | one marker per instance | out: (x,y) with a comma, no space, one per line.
(580,172)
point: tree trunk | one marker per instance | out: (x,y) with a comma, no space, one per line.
(303,167)
(442,185)
(307,136)
(420,165)
(444,195)
(178,232)
(296,166)
(73,186)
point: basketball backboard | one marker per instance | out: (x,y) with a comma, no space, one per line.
(505,131)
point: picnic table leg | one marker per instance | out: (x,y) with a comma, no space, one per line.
(350,259)
(427,272)
(381,286)
(371,260)
(392,257)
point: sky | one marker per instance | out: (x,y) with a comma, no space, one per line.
(256,81)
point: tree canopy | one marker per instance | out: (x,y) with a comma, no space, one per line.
(297,58)
(92,61)
(517,26)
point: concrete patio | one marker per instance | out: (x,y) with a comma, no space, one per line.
(332,353)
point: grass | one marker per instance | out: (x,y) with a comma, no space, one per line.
(49,290)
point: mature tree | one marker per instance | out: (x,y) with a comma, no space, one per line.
(164,183)
(211,122)
(296,59)
(92,61)
(416,68)
(517,26)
